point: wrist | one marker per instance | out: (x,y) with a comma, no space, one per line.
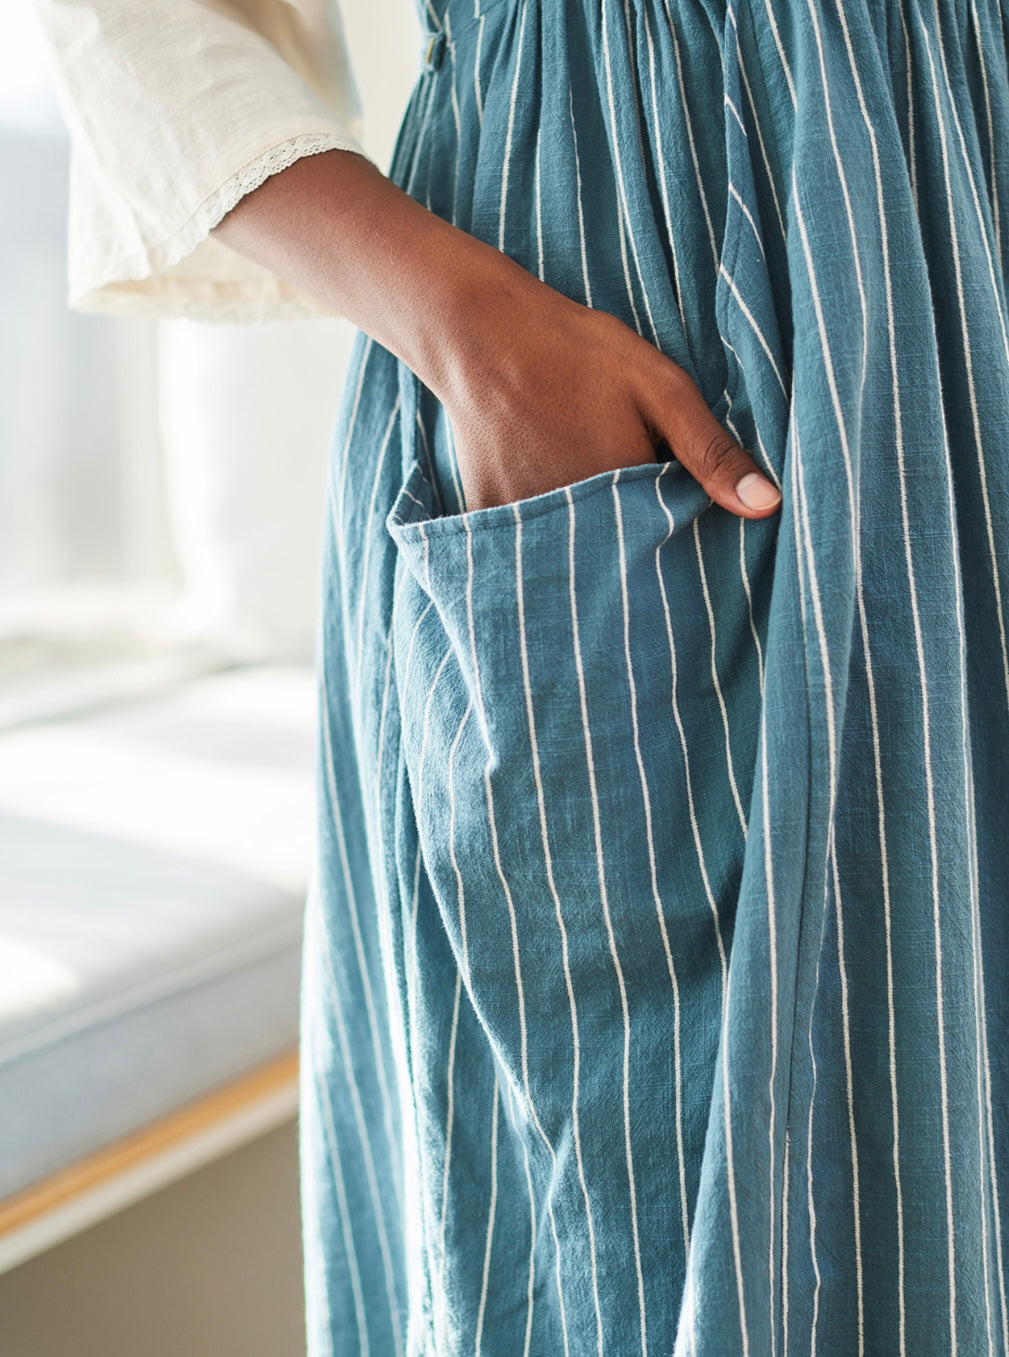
(478,298)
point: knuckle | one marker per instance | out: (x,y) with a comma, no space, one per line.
(718,456)
(611,327)
(679,380)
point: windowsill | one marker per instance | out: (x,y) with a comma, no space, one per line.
(154,857)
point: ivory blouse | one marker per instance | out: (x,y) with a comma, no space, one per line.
(217,96)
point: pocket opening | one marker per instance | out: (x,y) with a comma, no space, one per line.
(415,513)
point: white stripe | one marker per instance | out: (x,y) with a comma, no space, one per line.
(478,1345)
(454,461)
(603,894)
(419,503)
(731,105)
(689,128)
(761,448)
(811,1209)
(623,210)
(506,157)
(369,536)
(384,914)
(353,1267)
(531,1282)
(912,158)
(410,954)
(449,1111)
(755,326)
(449,1127)
(747,214)
(786,1174)
(539,206)
(715,679)
(674,983)
(423,1267)
(476,70)
(660,165)
(990,128)
(772,943)
(429,103)
(809,1180)
(456,117)
(730,1174)
(688,1310)
(749,602)
(518,1132)
(769,11)
(351,424)
(402,680)
(578,194)
(691,805)
(460,889)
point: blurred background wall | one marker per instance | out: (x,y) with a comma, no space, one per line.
(246,414)
(161,501)
(160,480)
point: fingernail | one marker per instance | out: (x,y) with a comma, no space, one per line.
(756,491)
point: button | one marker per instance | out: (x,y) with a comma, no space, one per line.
(434,49)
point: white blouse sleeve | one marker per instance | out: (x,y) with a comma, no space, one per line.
(176,109)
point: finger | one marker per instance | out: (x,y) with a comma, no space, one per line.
(708,451)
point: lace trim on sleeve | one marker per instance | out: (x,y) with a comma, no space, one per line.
(227,195)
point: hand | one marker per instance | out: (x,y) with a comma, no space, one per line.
(541,391)
(550,392)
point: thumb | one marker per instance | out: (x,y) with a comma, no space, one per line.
(680,416)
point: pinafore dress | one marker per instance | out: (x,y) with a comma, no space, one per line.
(655,990)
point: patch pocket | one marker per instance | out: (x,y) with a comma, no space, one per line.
(565,746)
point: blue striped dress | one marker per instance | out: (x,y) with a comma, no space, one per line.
(655,994)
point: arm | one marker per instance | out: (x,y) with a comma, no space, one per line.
(540,390)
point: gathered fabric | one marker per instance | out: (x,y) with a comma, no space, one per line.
(654,994)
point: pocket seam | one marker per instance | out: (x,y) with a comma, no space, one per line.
(503,515)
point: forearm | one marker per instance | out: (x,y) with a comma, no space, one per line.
(336,227)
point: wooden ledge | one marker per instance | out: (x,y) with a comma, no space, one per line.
(97,1186)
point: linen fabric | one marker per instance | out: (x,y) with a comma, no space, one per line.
(654,986)
(176,109)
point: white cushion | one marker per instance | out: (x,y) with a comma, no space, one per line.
(153,866)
